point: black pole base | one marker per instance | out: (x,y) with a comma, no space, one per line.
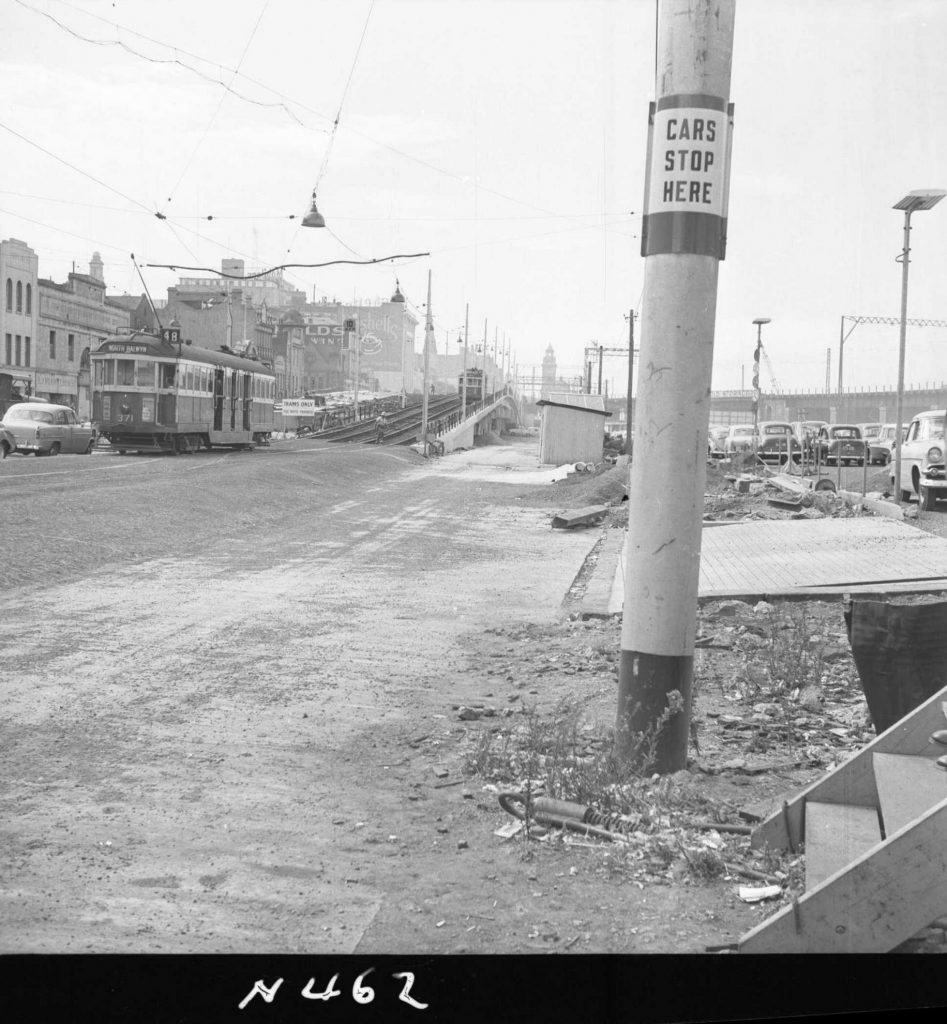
(654,710)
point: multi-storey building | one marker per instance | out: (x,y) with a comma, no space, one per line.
(271,289)
(385,333)
(74,318)
(19,313)
(47,330)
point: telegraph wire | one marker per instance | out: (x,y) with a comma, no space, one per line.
(461,179)
(220,102)
(79,170)
(345,92)
(175,60)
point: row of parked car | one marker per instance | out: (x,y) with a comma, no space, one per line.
(776,441)
(923,449)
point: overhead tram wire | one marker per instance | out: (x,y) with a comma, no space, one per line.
(332,134)
(98,181)
(284,266)
(220,103)
(461,179)
(280,104)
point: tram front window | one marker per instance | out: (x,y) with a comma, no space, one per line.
(104,371)
(167,375)
(145,373)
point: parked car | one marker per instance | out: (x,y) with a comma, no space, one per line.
(740,437)
(922,460)
(777,442)
(48,429)
(841,444)
(807,431)
(882,447)
(716,437)
(7,443)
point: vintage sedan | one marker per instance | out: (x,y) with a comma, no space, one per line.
(778,443)
(741,437)
(48,429)
(882,447)
(840,444)
(922,460)
(716,437)
(7,443)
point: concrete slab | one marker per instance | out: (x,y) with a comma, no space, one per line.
(822,558)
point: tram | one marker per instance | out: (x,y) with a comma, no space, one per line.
(155,393)
(474,385)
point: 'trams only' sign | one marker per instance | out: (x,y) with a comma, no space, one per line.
(688,176)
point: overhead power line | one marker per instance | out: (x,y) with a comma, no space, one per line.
(283,266)
(462,179)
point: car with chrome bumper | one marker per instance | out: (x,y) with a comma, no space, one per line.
(923,467)
(777,443)
(48,429)
(840,444)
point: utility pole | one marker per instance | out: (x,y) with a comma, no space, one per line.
(428,332)
(683,240)
(483,378)
(358,347)
(496,338)
(600,358)
(463,379)
(629,408)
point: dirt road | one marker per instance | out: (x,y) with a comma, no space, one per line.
(226,685)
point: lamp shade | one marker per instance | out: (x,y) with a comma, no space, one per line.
(314,218)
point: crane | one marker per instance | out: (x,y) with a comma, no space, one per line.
(769,370)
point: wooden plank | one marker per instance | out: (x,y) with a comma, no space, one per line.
(837,835)
(907,787)
(885,897)
(853,781)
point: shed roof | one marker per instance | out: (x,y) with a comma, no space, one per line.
(574,400)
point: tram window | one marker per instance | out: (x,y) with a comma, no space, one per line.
(145,373)
(167,375)
(105,371)
(125,373)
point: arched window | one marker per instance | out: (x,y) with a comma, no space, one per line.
(29,300)
(19,296)
(9,295)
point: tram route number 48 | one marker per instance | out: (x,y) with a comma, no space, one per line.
(361,993)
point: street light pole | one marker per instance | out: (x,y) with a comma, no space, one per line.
(759,321)
(921,199)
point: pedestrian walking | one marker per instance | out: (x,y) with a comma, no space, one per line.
(381,428)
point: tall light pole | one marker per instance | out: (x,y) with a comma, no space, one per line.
(759,321)
(921,199)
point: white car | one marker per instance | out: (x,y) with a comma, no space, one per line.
(922,460)
(48,429)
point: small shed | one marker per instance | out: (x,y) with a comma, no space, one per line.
(572,427)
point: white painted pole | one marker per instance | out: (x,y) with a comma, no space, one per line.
(428,335)
(684,238)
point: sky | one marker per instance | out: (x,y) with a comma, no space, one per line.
(504,138)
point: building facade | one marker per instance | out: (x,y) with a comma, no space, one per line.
(74,318)
(19,313)
(270,289)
